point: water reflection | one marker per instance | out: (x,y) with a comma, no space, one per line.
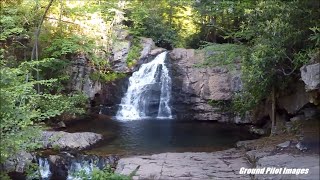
(156,136)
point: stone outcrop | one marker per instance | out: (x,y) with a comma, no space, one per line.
(197,166)
(310,74)
(79,72)
(68,141)
(120,52)
(294,101)
(194,86)
(17,163)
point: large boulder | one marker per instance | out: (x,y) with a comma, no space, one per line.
(310,74)
(194,86)
(69,141)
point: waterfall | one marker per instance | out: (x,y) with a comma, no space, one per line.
(77,167)
(148,92)
(44,168)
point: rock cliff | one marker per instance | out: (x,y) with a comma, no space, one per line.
(193,87)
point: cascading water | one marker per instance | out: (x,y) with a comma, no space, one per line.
(44,168)
(148,92)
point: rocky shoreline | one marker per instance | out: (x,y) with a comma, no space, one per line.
(223,164)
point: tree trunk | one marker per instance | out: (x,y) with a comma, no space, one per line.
(273,112)
(35,51)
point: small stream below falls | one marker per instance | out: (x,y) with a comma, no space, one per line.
(149,136)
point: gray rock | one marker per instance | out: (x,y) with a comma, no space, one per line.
(156,51)
(301,146)
(245,144)
(61,124)
(310,74)
(197,166)
(79,73)
(66,141)
(254,155)
(310,162)
(284,144)
(256,130)
(147,44)
(18,162)
(293,102)
(120,52)
(194,86)
(297,118)
(310,112)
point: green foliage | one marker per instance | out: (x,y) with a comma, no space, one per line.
(134,52)
(222,54)
(279,44)
(224,106)
(106,77)
(315,35)
(22,108)
(73,44)
(98,174)
(147,19)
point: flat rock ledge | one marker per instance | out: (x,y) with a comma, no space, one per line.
(69,141)
(216,165)
(195,166)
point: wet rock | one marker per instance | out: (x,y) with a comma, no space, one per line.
(69,141)
(197,166)
(284,144)
(156,51)
(257,131)
(301,146)
(61,165)
(310,74)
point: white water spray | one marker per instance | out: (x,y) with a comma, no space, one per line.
(149,86)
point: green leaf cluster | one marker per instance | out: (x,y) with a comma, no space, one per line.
(106,76)
(98,174)
(222,54)
(134,52)
(279,44)
(23,108)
